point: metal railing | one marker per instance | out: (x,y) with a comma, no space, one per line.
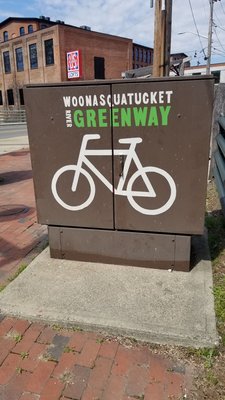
(12,116)
(219,167)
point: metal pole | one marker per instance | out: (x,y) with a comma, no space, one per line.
(211,2)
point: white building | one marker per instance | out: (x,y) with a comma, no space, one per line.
(218,70)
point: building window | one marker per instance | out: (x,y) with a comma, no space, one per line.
(43,26)
(30,28)
(1,100)
(149,57)
(5,36)
(19,59)
(21,97)
(196,73)
(144,56)
(136,54)
(10,97)
(33,56)
(216,75)
(22,31)
(140,55)
(99,67)
(49,52)
(6,60)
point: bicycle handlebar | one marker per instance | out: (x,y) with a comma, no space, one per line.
(131,140)
(91,136)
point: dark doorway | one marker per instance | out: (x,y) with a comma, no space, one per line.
(99,65)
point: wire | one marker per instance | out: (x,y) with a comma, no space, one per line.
(192,12)
(222,7)
(218,38)
(220,27)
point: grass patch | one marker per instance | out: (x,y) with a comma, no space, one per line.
(215,223)
(2,287)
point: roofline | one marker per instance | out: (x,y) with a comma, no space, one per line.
(146,47)
(10,19)
(50,22)
(204,66)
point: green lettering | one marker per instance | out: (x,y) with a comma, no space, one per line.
(102,117)
(114,117)
(164,114)
(140,115)
(78,119)
(125,117)
(153,117)
(91,118)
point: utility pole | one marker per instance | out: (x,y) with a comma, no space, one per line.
(162,37)
(211,4)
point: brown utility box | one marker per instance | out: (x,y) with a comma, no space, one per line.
(120,167)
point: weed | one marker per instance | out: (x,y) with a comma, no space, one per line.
(68,349)
(19,370)
(15,336)
(219,294)
(24,355)
(56,327)
(99,340)
(18,272)
(2,287)
(211,378)
(66,377)
(76,329)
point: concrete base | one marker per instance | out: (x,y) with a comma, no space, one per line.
(147,304)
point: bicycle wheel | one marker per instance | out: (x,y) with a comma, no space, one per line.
(155,211)
(59,200)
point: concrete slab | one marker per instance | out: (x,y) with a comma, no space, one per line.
(151,305)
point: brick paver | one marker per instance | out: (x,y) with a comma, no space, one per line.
(40,362)
(19,231)
(99,369)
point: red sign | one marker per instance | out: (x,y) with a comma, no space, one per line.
(73,64)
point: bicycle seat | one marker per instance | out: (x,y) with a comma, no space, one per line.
(131,140)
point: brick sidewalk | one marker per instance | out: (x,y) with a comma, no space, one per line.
(19,231)
(42,363)
(38,362)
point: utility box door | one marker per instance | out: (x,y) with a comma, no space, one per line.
(64,142)
(161,135)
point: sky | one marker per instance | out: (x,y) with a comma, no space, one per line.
(134,19)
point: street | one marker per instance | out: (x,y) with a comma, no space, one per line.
(13,137)
(8,131)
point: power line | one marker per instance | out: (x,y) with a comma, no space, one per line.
(222,7)
(218,38)
(193,16)
(220,27)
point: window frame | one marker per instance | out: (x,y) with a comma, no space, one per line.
(5,54)
(30,28)
(10,103)
(51,52)
(22,31)
(1,98)
(5,39)
(21,97)
(31,57)
(18,61)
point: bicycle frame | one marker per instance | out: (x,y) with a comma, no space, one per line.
(130,154)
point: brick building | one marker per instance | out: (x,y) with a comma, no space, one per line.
(142,56)
(34,50)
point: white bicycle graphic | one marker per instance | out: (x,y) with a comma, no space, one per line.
(128,156)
